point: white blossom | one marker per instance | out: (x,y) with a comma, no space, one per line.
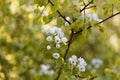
(61,34)
(68,18)
(45,70)
(73,60)
(83,14)
(66,23)
(44,31)
(64,40)
(48,47)
(56,55)
(58,30)
(45,13)
(57,45)
(81,64)
(57,34)
(81,68)
(96,62)
(57,39)
(94,16)
(49,38)
(52,30)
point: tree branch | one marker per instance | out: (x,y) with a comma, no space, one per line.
(44,8)
(89,27)
(63,17)
(108,18)
(65,54)
(49,1)
(73,34)
(90,7)
(86,5)
(69,43)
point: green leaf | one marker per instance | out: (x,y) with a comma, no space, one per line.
(40,2)
(48,18)
(101,30)
(59,22)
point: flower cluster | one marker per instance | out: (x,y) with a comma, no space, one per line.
(56,55)
(55,35)
(95,64)
(80,63)
(92,16)
(66,23)
(45,70)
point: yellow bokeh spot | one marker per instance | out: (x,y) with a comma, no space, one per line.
(109,71)
(2,75)
(10,58)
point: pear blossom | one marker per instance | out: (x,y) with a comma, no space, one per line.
(80,63)
(52,30)
(94,16)
(56,55)
(49,38)
(45,70)
(61,34)
(68,18)
(57,45)
(96,62)
(64,40)
(48,47)
(66,23)
(73,60)
(45,13)
(57,39)
(56,35)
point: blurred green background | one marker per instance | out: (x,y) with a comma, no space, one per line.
(23,45)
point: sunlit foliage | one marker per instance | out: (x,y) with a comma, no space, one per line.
(88,29)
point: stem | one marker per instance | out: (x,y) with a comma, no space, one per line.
(108,18)
(91,7)
(49,1)
(73,34)
(89,27)
(65,54)
(86,5)
(63,17)
(44,8)
(69,43)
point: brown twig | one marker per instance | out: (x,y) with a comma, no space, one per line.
(49,1)
(86,6)
(44,8)
(73,34)
(63,17)
(90,7)
(108,18)
(89,27)
(65,54)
